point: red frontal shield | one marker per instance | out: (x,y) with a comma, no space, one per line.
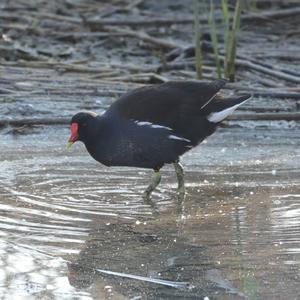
(74,133)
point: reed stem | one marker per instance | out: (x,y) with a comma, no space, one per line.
(233,40)
(214,38)
(198,55)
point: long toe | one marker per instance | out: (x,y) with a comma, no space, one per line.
(152,186)
(181,190)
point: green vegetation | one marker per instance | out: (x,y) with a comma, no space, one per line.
(214,38)
(231,43)
(198,55)
(253,6)
(231,27)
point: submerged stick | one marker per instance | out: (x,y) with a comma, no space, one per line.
(174,284)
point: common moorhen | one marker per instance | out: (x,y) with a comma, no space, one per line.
(154,125)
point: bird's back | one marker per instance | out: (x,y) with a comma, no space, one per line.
(171,104)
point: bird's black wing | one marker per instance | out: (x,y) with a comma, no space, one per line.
(172,104)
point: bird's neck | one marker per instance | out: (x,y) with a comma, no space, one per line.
(96,141)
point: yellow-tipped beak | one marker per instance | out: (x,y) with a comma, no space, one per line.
(69,145)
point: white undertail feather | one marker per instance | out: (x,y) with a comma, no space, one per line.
(219,116)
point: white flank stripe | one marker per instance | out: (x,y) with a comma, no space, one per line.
(218,116)
(160,126)
(142,123)
(175,137)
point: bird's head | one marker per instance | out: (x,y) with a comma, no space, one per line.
(82,124)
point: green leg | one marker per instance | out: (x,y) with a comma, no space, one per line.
(180,177)
(154,183)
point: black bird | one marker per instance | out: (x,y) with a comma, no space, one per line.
(154,125)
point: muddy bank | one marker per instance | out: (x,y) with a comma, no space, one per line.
(64,56)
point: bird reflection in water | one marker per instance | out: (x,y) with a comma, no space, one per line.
(164,257)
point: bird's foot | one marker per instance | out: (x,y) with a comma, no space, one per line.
(147,200)
(181,190)
(152,186)
(147,195)
(180,178)
(181,195)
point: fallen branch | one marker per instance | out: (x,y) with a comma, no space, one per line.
(288,92)
(122,8)
(44,15)
(18,52)
(64,67)
(140,78)
(238,116)
(286,95)
(268,66)
(274,14)
(6,91)
(275,73)
(162,43)
(95,22)
(74,36)
(182,66)
(246,64)
(265,117)
(35,121)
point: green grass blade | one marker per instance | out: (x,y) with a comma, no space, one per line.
(227,37)
(237,17)
(253,6)
(233,41)
(198,56)
(225,11)
(214,38)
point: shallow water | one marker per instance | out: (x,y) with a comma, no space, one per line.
(66,219)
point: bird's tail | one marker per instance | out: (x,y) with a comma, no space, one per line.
(222,108)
